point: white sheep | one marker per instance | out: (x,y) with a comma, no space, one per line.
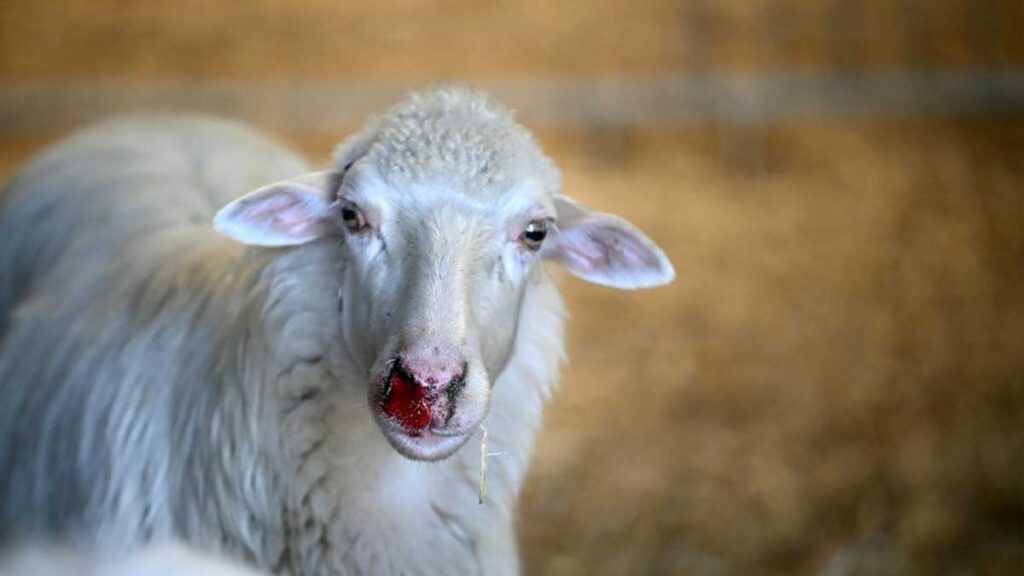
(298,404)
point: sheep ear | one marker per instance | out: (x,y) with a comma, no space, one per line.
(286,213)
(605,249)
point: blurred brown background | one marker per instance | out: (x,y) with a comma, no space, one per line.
(835,383)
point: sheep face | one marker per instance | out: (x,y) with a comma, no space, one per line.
(445,210)
(442,273)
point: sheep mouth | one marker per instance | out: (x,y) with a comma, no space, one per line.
(427,446)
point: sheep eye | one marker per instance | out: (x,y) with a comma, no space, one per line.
(351,217)
(535,233)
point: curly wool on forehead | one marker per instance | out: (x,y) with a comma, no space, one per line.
(452,134)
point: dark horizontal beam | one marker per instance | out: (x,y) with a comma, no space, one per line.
(652,100)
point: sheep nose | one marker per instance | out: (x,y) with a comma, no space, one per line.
(433,363)
(434,374)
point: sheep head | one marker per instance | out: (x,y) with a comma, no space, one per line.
(445,209)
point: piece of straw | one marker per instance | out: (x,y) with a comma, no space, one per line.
(483,466)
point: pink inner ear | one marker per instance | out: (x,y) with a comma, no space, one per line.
(282,213)
(599,246)
(579,256)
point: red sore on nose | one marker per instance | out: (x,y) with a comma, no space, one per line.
(406,402)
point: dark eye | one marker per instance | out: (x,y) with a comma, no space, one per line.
(351,217)
(534,234)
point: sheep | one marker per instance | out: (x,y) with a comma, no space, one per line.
(284,373)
